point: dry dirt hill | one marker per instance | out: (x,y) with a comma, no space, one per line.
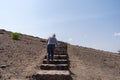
(20,58)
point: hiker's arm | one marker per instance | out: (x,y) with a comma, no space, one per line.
(56,43)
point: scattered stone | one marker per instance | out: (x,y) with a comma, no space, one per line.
(3,66)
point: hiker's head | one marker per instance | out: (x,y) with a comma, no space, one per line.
(53,35)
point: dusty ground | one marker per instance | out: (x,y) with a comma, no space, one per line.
(22,57)
(91,64)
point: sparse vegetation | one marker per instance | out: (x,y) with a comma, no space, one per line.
(15,36)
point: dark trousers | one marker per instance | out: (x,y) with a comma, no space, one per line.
(50,51)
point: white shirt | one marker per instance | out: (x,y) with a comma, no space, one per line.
(52,40)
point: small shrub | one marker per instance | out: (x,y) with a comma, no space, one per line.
(15,36)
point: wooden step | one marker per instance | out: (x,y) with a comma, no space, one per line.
(60,53)
(56,61)
(54,66)
(61,47)
(52,75)
(59,50)
(59,57)
(63,51)
(53,72)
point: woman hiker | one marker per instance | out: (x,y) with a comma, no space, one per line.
(51,43)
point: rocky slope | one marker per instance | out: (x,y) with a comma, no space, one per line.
(20,58)
(91,64)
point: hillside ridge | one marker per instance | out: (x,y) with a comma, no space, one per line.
(21,58)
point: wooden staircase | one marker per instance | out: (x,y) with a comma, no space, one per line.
(58,69)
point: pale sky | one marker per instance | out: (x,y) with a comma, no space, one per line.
(88,23)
